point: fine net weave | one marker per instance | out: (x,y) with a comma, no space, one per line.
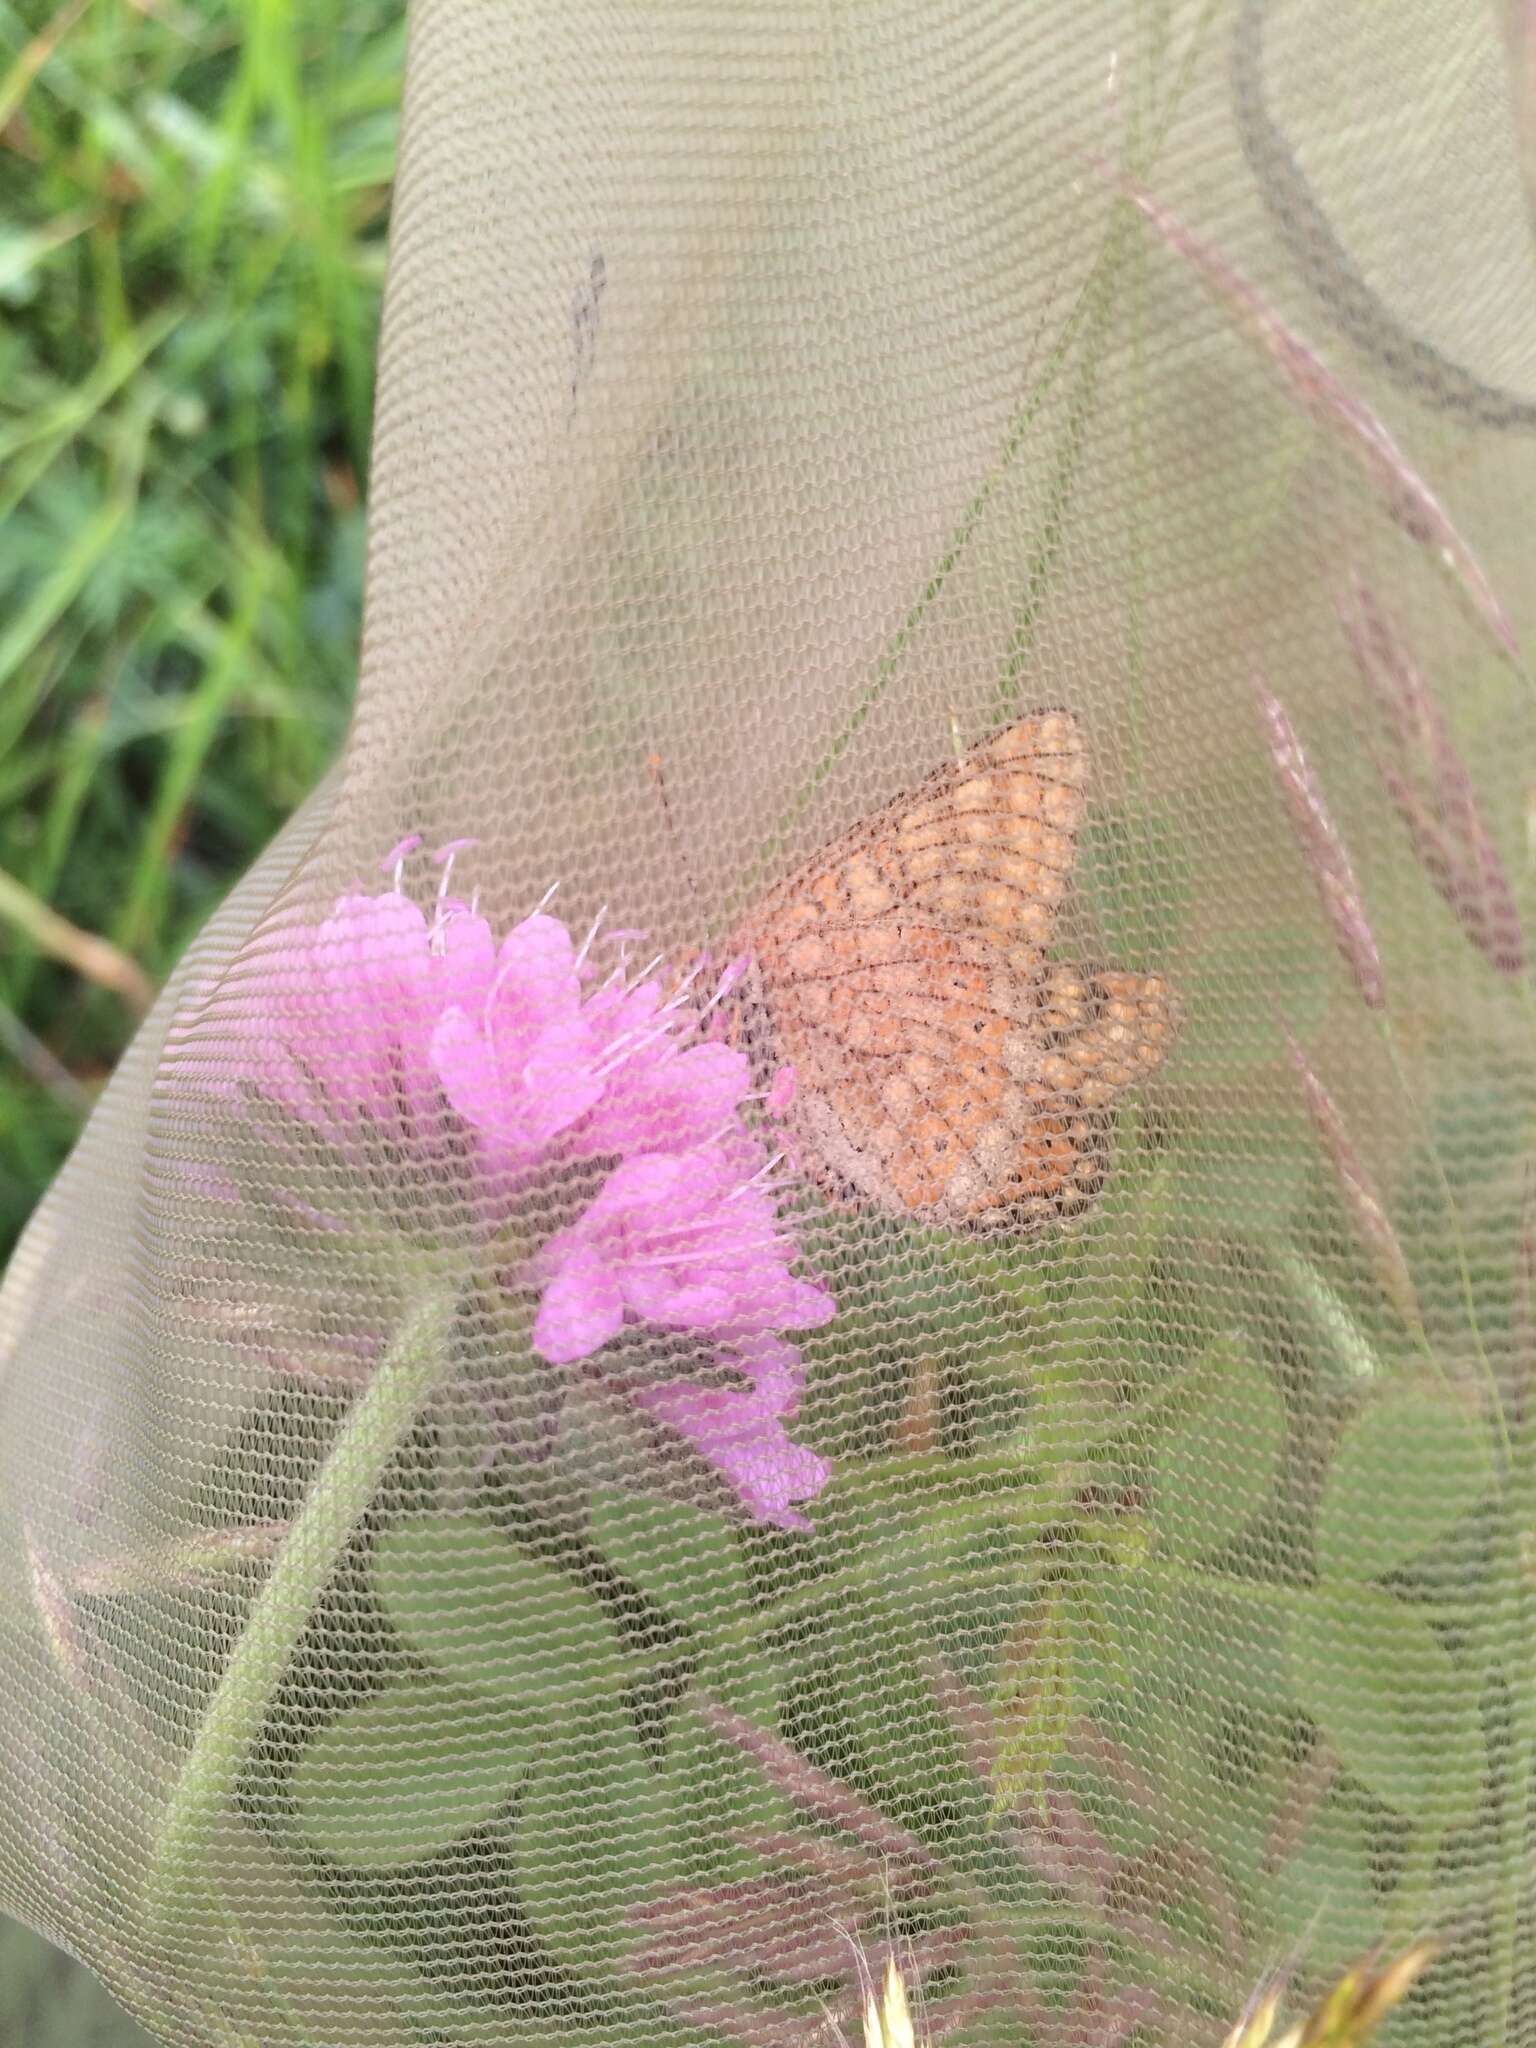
(835,1264)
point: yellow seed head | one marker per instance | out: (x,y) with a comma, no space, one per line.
(889,2024)
(874,2033)
(1258,2023)
(1348,2015)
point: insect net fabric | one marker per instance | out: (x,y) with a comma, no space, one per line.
(933,1354)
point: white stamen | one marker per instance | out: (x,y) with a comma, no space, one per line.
(620,1049)
(758,1179)
(681,1256)
(775,1241)
(734,971)
(498,980)
(442,912)
(680,992)
(586,945)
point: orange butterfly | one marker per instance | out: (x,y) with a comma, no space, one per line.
(945,1069)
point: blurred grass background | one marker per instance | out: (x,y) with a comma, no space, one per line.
(193,206)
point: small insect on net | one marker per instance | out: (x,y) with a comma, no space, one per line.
(835,1265)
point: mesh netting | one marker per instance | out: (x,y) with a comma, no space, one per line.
(836,1262)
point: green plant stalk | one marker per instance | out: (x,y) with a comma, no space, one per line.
(1090,314)
(372,1433)
(890,661)
(1101,298)
(1498,1420)
(1417,1883)
(1514,1804)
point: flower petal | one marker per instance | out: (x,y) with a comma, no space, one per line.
(469,1079)
(648,1181)
(657,1298)
(538,957)
(666,1100)
(745,1441)
(809,1306)
(581,1308)
(558,1087)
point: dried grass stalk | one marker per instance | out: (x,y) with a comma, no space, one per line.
(1435,795)
(1321,394)
(1377,1238)
(1323,848)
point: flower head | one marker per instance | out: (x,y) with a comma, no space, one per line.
(452,1077)
(620,1069)
(1350,2012)
(1432,788)
(888,2019)
(335,1022)
(1323,847)
(689,1240)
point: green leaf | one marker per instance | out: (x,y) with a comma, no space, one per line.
(595,1837)
(403,1774)
(719,1789)
(1400,1713)
(1034,1718)
(1217,1467)
(1322,1899)
(683,1558)
(887,1714)
(491,1616)
(1197,1693)
(1405,1473)
(1212,1648)
(306,1976)
(1343,1355)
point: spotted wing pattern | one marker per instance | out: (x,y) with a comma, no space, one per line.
(945,1068)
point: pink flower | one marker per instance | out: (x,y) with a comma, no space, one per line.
(519,1065)
(662,1093)
(741,1433)
(689,1240)
(429,1058)
(335,1021)
(615,1072)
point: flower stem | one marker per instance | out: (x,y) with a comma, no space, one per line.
(375,1427)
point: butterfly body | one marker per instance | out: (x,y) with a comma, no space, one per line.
(946,1068)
